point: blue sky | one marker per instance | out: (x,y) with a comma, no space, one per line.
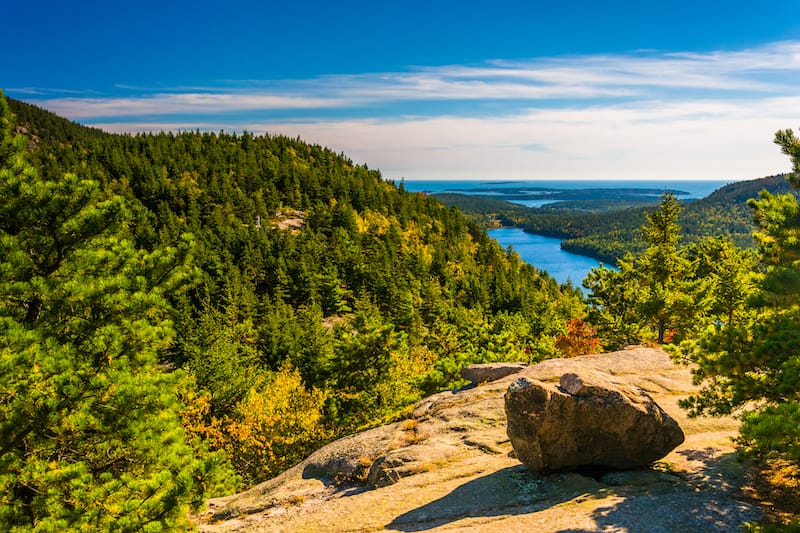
(427,90)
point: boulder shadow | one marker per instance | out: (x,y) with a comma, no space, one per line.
(512,490)
(690,511)
(707,500)
(645,500)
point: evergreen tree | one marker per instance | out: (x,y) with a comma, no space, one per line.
(614,297)
(725,277)
(90,437)
(361,365)
(663,270)
(655,291)
(753,362)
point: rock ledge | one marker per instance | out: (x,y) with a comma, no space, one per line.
(450,467)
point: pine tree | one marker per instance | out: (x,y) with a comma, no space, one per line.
(654,291)
(664,270)
(361,365)
(725,275)
(753,363)
(90,436)
(614,298)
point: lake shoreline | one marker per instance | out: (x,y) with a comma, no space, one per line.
(501,226)
(491,201)
(545,254)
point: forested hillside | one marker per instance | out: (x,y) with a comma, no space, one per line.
(40,125)
(724,213)
(315,297)
(184,314)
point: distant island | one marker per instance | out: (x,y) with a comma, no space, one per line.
(604,223)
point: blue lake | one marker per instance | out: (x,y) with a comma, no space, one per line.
(545,253)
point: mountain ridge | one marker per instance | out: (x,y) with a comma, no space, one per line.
(313,279)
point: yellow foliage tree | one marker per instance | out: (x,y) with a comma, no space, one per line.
(275,427)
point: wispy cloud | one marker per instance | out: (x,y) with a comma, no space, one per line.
(769,69)
(711,139)
(50,92)
(637,115)
(729,71)
(648,140)
(186,103)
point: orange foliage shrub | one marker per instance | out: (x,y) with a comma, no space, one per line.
(580,339)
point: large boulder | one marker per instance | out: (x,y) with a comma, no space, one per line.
(586,420)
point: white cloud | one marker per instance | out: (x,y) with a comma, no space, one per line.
(171,104)
(641,115)
(562,78)
(713,139)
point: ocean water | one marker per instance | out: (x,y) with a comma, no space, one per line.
(545,253)
(685,189)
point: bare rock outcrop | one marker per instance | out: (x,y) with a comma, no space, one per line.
(586,420)
(450,467)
